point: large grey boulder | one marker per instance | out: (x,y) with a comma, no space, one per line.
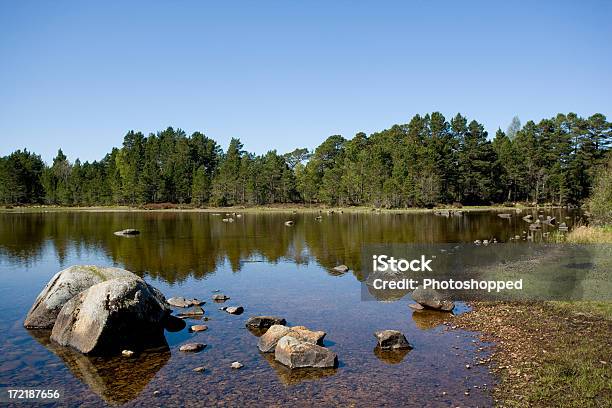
(295,353)
(432,299)
(112,315)
(267,342)
(63,286)
(391,340)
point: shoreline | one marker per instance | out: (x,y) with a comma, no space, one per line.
(273,209)
(541,354)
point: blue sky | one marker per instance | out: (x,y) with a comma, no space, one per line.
(286,74)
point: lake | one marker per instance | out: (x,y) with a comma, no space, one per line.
(269,269)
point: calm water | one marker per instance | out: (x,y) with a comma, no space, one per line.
(266,267)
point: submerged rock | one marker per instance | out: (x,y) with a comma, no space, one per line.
(296,353)
(63,286)
(192,347)
(194,311)
(504,215)
(182,302)
(128,232)
(432,299)
(391,339)
(264,322)
(341,268)
(267,342)
(111,315)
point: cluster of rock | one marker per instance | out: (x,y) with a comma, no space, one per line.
(230,217)
(99,310)
(294,347)
(536,223)
(485,242)
(448,213)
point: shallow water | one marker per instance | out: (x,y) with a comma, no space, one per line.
(266,267)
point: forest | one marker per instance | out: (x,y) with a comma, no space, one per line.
(426,162)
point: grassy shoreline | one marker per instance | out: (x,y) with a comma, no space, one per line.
(549,353)
(544,355)
(262,209)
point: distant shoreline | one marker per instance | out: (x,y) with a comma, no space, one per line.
(270,209)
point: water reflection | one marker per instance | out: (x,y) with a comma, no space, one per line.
(288,376)
(174,246)
(394,356)
(428,319)
(116,380)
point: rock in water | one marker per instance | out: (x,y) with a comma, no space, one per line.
(128,232)
(504,215)
(432,299)
(111,315)
(236,365)
(63,286)
(234,310)
(194,311)
(391,340)
(341,268)
(220,297)
(192,347)
(267,342)
(182,302)
(264,322)
(296,353)
(289,223)
(127,353)
(198,328)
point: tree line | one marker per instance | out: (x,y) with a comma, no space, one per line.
(428,161)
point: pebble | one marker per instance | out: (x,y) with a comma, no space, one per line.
(192,347)
(234,309)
